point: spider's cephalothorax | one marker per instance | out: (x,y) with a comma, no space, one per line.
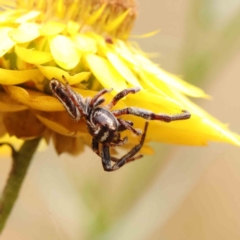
(105,125)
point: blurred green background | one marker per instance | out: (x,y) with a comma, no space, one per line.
(178,193)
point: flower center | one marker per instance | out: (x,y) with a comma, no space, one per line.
(113,18)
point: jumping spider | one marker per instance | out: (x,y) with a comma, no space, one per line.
(105,125)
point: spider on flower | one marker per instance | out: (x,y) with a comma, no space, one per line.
(104,124)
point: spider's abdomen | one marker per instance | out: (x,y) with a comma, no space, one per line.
(102,125)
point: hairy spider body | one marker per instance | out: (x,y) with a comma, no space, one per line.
(105,125)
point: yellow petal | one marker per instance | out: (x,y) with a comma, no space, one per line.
(122,68)
(105,73)
(52,28)
(161,88)
(156,74)
(175,134)
(123,50)
(11,77)
(64,52)
(146,99)
(26,32)
(33,56)
(73,28)
(11,15)
(79,77)
(7,16)
(34,99)
(151,82)
(29,16)
(6,42)
(185,132)
(54,72)
(210,125)
(7,104)
(181,85)
(85,44)
(159,75)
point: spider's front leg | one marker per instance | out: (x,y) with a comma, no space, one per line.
(128,157)
(106,158)
(97,100)
(95,146)
(149,115)
(72,101)
(122,94)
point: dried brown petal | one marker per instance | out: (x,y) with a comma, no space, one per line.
(67,144)
(23,124)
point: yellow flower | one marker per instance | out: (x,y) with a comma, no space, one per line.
(86,41)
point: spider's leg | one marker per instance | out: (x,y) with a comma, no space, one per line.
(95,146)
(76,97)
(94,101)
(71,100)
(98,102)
(146,114)
(129,160)
(122,94)
(106,158)
(126,125)
(79,103)
(129,157)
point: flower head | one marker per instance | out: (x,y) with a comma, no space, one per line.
(86,42)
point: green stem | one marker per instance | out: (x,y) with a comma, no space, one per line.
(21,162)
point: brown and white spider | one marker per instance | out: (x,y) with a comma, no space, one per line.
(105,125)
